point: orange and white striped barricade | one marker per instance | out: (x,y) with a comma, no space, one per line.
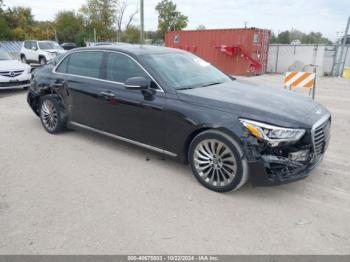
(294,80)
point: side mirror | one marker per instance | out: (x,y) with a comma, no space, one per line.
(34,48)
(137,83)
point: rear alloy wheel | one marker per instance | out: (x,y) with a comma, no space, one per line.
(216,162)
(50,115)
(23,59)
(42,61)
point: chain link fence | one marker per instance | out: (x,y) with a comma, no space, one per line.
(284,58)
(12,47)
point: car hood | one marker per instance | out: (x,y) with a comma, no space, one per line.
(12,65)
(262,103)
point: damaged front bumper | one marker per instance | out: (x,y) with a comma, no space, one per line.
(288,163)
(271,171)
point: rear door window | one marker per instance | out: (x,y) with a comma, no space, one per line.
(84,64)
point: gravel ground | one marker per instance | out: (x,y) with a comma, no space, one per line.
(79,192)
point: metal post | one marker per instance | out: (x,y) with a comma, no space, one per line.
(278,49)
(314,87)
(344,61)
(334,64)
(340,64)
(142,40)
(56,38)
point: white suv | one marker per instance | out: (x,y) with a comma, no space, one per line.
(39,51)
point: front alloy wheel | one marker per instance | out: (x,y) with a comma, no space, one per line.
(216,162)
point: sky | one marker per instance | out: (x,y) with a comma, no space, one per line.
(326,16)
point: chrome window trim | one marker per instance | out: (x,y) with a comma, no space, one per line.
(160,89)
(153,148)
(131,86)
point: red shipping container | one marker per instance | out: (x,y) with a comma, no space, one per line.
(235,51)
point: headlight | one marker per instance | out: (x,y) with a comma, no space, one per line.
(273,134)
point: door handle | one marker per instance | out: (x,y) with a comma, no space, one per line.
(106,93)
(58,84)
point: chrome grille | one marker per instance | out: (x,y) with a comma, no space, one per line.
(11,73)
(320,135)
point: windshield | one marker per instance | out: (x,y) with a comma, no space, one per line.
(49,45)
(185,70)
(4,55)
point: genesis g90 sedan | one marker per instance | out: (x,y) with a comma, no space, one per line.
(172,102)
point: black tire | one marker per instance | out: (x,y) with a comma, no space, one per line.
(24,59)
(42,60)
(230,168)
(50,104)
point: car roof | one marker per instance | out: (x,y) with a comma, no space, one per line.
(47,41)
(134,49)
(39,40)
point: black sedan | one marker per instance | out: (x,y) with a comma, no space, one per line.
(174,103)
(68,46)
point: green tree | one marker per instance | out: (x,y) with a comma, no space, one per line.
(43,30)
(100,14)
(5,30)
(131,34)
(120,17)
(273,38)
(284,37)
(68,26)
(296,35)
(169,19)
(19,17)
(20,21)
(315,38)
(4,27)
(153,35)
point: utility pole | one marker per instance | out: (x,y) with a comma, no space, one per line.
(56,38)
(94,35)
(142,40)
(340,62)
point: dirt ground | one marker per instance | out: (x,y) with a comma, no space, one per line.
(82,193)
